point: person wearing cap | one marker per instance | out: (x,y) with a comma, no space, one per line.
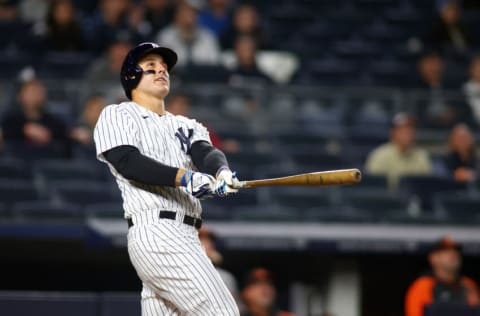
(400,156)
(164,164)
(259,295)
(444,284)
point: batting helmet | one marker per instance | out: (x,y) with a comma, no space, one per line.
(131,73)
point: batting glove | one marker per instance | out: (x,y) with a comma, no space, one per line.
(198,184)
(226,182)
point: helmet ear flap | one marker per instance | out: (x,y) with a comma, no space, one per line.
(131,74)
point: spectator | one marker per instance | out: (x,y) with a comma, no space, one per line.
(472,88)
(193,43)
(157,15)
(216,17)
(444,284)
(245,21)
(259,295)
(247,72)
(102,76)
(435,110)
(208,240)
(109,23)
(8,10)
(30,125)
(83,132)
(63,31)
(461,160)
(399,157)
(449,31)
(180,105)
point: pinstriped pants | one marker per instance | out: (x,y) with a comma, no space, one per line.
(178,278)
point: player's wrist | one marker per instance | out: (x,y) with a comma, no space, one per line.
(222,169)
(182,177)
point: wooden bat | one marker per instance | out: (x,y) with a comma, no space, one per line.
(324,178)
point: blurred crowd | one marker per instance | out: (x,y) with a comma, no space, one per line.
(199,31)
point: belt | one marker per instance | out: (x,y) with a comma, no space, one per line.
(188,220)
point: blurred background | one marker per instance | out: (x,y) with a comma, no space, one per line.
(391,87)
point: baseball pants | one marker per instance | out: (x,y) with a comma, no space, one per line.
(177,276)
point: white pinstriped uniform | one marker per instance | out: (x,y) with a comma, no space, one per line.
(178,278)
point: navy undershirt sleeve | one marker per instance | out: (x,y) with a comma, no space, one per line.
(132,165)
(207,158)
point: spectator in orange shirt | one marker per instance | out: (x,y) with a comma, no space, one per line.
(444,284)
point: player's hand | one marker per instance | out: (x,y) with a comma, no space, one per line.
(198,184)
(226,182)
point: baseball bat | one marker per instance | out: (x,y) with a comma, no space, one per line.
(324,178)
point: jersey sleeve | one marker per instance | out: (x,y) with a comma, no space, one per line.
(114,128)
(200,132)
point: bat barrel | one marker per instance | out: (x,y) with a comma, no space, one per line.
(325,178)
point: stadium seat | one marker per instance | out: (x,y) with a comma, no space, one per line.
(83,192)
(17,190)
(30,152)
(46,211)
(118,304)
(460,207)
(301,198)
(55,170)
(246,158)
(204,73)
(211,211)
(15,169)
(379,203)
(368,135)
(4,212)
(105,210)
(337,214)
(65,65)
(333,71)
(52,304)
(266,213)
(425,187)
(319,160)
(374,181)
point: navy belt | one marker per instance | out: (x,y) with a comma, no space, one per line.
(188,220)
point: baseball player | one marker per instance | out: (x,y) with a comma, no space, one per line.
(163,164)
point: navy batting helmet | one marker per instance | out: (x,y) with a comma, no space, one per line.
(132,73)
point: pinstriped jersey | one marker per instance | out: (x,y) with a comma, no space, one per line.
(164,138)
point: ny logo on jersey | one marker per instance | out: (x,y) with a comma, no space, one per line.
(185,141)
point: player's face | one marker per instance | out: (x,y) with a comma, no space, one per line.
(155,79)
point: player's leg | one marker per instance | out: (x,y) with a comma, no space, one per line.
(170,259)
(152,305)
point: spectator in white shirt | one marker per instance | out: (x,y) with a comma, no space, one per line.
(193,43)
